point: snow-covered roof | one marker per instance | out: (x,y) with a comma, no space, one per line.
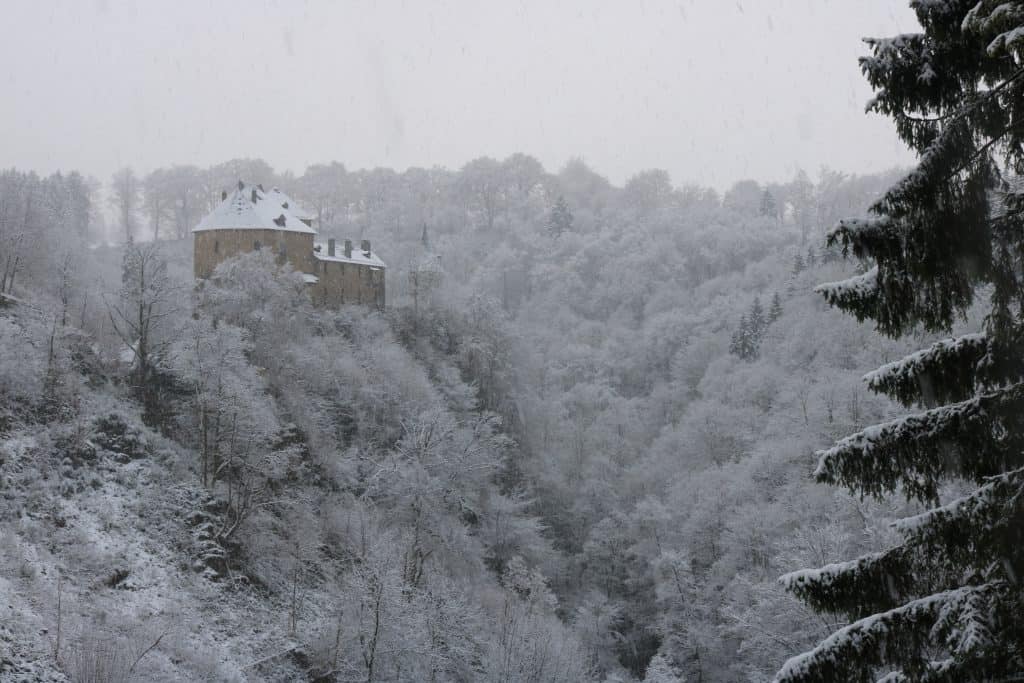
(239,211)
(286,202)
(359,257)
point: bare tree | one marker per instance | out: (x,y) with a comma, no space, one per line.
(482,186)
(183,188)
(140,312)
(155,201)
(19,220)
(126,190)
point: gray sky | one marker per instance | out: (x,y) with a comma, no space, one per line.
(711,90)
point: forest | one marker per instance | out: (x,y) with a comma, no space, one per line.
(546,435)
(592,428)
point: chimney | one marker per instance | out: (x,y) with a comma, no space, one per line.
(365,246)
(254,195)
(348,248)
(223,195)
(330,247)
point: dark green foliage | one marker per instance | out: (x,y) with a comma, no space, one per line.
(942,373)
(114,434)
(977,438)
(775,312)
(756,320)
(798,264)
(561,218)
(746,340)
(743,343)
(945,604)
(769,207)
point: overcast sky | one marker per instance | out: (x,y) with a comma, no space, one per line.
(711,90)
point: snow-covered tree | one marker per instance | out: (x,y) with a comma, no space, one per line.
(142,313)
(660,670)
(482,188)
(746,197)
(155,202)
(227,410)
(744,341)
(756,319)
(802,203)
(320,189)
(798,264)
(944,604)
(775,311)
(560,220)
(769,208)
(125,195)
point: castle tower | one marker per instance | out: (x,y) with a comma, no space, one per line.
(249,219)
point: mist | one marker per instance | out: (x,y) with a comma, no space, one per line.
(519,342)
(711,92)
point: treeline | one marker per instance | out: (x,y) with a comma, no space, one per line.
(167,202)
(36,214)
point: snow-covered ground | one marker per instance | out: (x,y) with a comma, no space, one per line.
(111,540)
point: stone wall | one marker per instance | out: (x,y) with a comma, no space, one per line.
(347,283)
(213,246)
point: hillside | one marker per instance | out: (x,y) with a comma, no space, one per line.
(583,454)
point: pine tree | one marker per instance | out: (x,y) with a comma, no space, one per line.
(768,206)
(775,312)
(947,602)
(746,340)
(741,344)
(756,320)
(561,218)
(798,264)
(736,343)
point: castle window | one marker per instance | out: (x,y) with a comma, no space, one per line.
(216,246)
(256,245)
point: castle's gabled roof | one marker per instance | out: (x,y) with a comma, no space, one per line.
(267,212)
(359,257)
(286,202)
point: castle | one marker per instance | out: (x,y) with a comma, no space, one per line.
(250,219)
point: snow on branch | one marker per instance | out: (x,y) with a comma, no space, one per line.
(889,637)
(975,518)
(855,293)
(943,372)
(933,671)
(1004,22)
(976,438)
(864,236)
(888,52)
(871,583)
(879,581)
